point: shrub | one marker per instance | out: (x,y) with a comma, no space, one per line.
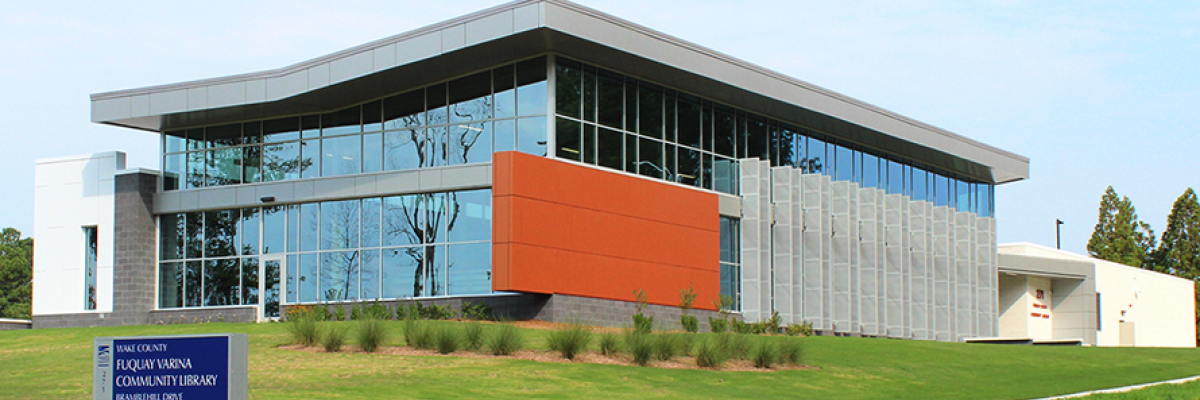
(804,329)
(339,313)
(377,311)
(738,326)
(356,312)
(666,347)
(610,345)
(372,333)
(690,323)
(417,334)
(772,325)
(643,324)
(505,340)
(685,344)
(570,341)
(334,339)
(765,354)
(789,352)
(641,347)
(476,311)
(304,329)
(709,355)
(733,345)
(473,337)
(718,325)
(435,311)
(447,339)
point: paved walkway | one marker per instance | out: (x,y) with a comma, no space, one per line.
(1122,389)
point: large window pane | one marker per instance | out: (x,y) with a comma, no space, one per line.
(895,177)
(341,122)
(725,133)
(223,135)
(342,155)
(372,156)
(844,159)
(307,285)
(870,171)
(400,272)
(962,195)
(174,142)
(274,229)
(195,234)
(531,136)
(725,175)
(438,217)
(505,134)
(471,215)
(470,268)
(403,220)
(249,232)
(589,93)
(689,121)
(252,132)
(609,149)
(405,110)
(438,143)
(271,288)
(757,139)
(172,230)
(224,167)
(369,271)
(589,144)
(310,226)
(174,171)
(282,129)
(221,282)
(435,270)
(310,159)
(920,184)
(371,221)
(435,104)
(252,164)
(689,167)
(220,233)
(339,224)
(611,99)
(504,84)
(568,93)
(567,133)
(531,87)
(730,240)
(470,98)
(404,149)
(194,284)
(250,280)
(281,161)
(339,275)
(650,111)
(372,114)
(815,161)
(170,285)
(650,158)
(470,143)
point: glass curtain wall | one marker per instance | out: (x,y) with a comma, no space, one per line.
(456,122)
(620,122)
(419,245)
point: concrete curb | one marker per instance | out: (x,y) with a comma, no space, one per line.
(1122,389)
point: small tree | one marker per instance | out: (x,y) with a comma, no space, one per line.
(1119,235)
(641,323)
(1179,251)
(687,297)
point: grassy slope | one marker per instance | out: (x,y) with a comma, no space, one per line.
(54,364)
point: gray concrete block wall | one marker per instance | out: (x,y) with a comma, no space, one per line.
(203,315)
(573,309)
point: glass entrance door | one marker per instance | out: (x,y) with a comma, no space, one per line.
(270,269)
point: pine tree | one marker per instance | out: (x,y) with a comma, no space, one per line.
(1179,251)
(1119,236)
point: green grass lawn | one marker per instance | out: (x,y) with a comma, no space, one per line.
(55,364)
(1183,391)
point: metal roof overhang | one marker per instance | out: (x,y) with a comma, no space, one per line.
(528,28)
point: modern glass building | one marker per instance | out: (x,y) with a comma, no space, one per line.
(540,156)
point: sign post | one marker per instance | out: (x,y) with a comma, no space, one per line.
(185,367)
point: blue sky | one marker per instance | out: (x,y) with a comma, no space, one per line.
(1095,93)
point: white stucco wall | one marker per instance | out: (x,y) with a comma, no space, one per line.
(1160,306)
(1040,327)
(69,194)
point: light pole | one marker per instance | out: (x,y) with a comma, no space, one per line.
(1058,233)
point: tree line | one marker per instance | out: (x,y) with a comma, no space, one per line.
(1121,237)
(16,274)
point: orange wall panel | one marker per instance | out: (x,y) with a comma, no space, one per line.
(561,227)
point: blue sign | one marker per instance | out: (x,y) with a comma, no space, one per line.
(211,367)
